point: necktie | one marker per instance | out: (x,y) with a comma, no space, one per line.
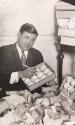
(23,59)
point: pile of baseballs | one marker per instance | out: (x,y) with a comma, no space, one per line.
(41,73)
(69,84)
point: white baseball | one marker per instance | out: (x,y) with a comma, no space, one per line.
(69,78)
(43,67)
(73,82)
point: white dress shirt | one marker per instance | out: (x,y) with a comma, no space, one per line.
(14,76)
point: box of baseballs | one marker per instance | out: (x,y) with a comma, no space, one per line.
(68,85)
(44,74)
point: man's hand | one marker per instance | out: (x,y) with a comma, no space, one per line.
(27,73)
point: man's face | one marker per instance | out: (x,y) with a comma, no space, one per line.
(26,40)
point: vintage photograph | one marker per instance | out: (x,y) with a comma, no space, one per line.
(37,62)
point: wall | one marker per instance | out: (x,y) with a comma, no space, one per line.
(38,12)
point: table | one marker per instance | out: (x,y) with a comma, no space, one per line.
(61,49)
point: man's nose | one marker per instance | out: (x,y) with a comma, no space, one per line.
(28,41)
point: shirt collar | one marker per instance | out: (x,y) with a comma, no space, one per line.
(20,52)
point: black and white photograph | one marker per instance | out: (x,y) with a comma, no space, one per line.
(37,62)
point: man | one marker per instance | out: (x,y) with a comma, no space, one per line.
(12,69)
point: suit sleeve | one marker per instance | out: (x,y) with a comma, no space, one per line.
(5,63)
(2,61)
(40,58)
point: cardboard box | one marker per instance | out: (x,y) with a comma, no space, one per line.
(65,14)
(66,32)
(44,80)
(61,5)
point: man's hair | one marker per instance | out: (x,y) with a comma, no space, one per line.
(28,28)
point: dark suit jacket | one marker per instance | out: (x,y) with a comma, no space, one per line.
(10,62)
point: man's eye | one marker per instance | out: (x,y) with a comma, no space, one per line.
(33,40)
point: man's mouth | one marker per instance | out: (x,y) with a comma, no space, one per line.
(26,46)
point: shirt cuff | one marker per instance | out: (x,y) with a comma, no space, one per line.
(14,78)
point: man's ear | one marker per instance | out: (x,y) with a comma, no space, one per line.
(18,35)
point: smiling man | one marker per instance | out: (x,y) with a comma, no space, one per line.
(18,60)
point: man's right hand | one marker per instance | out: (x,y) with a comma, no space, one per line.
(27,73)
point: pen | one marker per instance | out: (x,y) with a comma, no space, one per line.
(25,66)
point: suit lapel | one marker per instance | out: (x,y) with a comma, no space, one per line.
(18,64)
